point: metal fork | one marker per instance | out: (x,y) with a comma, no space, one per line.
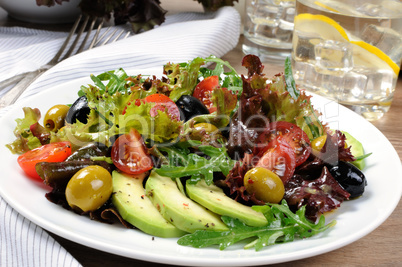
(25,79)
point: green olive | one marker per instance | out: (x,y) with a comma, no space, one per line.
(89,188)
(264,184)
(209,128)
(54,118)
(205,131)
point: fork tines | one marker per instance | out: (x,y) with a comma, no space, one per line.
(88,25)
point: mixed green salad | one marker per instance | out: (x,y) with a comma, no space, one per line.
(200,153)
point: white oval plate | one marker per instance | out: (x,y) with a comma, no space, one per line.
(355,218)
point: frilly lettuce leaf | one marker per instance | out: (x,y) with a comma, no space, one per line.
(117,113)
(141,14)
(95,130)
(160,128)
(183,77)
(282,106)
(25,139)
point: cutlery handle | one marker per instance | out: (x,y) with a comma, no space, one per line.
(12,80)
(14,93)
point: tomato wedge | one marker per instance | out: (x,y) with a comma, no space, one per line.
(293,135)
(279,157)
(53,152)
(129,153)
(203,91)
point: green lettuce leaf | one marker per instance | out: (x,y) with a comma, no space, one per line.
(24,138)
(183,77)
(159,129)
(116,112)
(282,106)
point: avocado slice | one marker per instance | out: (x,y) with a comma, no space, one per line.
(177,208)
(136,208)
(357,150)
(214,199)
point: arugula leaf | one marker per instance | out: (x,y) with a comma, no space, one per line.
(315,132)
(363,156)
(283,226)
(231,79)
(182,163)
(290,82)
(116,82)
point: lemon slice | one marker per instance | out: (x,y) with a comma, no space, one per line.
(341,7)
(367,55)
(364,54)
(324,26)
(326,7)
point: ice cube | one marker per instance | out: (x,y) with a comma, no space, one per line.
(332,85)
(289,14)
(285,30)
(380,84)
(369,9)
(312,78)
(332,57)
(387,40)
(354,84)
(304,48)
(279,2)
(299,69)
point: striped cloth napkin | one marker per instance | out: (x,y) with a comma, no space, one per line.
(182,37)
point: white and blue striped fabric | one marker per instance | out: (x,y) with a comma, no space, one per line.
(182,37)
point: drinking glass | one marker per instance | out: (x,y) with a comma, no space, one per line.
(349,51)
(268,29)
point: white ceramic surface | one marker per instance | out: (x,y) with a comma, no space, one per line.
(355,218)
(29,11)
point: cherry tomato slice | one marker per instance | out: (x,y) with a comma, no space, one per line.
(163,102)
(279,157)
(203,91)
(53,152)
(293,135)
(129,153)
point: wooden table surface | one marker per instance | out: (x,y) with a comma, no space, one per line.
(382,247)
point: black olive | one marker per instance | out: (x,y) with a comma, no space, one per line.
(190,106)
(349,177)
(78,111)
(226,131)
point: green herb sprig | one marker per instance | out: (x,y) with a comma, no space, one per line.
(283,226)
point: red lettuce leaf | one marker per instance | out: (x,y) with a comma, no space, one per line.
(213,5)
(141,14)
(319,195)
(249,121)
(49,3)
